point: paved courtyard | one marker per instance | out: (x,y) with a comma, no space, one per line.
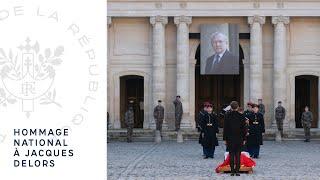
(170,160)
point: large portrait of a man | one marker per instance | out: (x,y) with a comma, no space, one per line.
(219,49)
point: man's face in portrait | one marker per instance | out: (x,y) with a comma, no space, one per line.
(219,43)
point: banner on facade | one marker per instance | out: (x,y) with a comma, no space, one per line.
(219,49)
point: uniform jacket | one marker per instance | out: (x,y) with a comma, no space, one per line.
(306,118)
(158,112)
(178,107)
(256,128)
(209,128)
(129,118)
(280,112)
(262,109)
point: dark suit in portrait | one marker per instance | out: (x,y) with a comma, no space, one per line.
(227,64)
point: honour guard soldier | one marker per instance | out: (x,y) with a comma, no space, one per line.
(158,115)
(306,120)
(129,121)
(201,115)
(203,112)
(210,128)
(240,110)
(178,112)
(248,112)
(280,114)
(256,130)
(262,108)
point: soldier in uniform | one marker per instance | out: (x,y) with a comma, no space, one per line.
(248,112)
(203,112)
(241,111)
(178,112)
(158,115)
(129,121)
(280,114)
(256,130)
(209,126)
(306,120)
(262,109)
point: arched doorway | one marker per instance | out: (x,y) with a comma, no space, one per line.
(306,94)
(132,89)
(219,89)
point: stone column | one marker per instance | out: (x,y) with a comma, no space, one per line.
(192,91)
(183,67)
(280,64)
(111,117)
(158,64)
(256,70)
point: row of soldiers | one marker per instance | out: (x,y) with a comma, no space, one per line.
(158,114)
(280,114)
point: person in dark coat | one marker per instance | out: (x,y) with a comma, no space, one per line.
(248,111)
(209,126)
(241,111)
(203,112)
(256,130)
(234,135)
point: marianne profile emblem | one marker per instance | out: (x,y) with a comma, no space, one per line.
(27,75)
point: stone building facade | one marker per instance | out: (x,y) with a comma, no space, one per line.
(153,46)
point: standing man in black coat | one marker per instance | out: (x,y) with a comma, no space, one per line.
(234,136)
(248,111)
(256,131)
(209,126)
(202,114)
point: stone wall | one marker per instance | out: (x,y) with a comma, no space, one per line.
(130,52)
